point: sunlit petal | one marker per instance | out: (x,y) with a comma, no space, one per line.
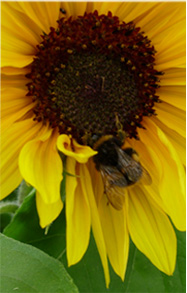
(14,106)
(13,140)
(47,212)
(168,94)
(151,231)
(172,176)
(173,117)
(77,213)
(178,141)
(116,235)
(80,153)
(41,166)
(96,224)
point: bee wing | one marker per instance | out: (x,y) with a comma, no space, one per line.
(130,168)
(133,169)
(146,177)
(114,183)
(116,196)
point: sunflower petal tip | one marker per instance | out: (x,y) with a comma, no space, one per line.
(81,153)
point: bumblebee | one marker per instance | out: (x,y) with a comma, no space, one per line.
(119,168)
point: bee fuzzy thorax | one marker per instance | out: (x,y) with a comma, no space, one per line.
(101,140)
(107,152)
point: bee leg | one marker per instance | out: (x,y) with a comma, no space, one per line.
(121,133)
(104,193)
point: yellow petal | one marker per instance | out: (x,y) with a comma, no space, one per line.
(97,181)
(180,179)
(19,24)
(95,220)
(174,95)
(153,167)
(129,11)
(47,212)
(171,116)
(9,70)
(92,6)
(161,25)
(10,178)
(178,141)
(171,50)
(172,177)
(177,60)
(77,213)
(41,166)
(14,80)
(43,14)
(157,20)
(14,105)
(74,8)
(12,141)
(116,236)
(17,47)
(22,26)
(105,7)
(80,153)
(15,59)
(174,77)
(151,230)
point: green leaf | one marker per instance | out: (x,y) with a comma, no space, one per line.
(10,204)
(5,219)
(23,221)
(88,273)
(27,269)
(24,190)
(25,227)
(141,275)
(13,196)
(146,278)
(8,207)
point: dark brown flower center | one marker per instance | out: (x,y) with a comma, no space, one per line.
(91,75)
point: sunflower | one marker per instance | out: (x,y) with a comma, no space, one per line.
(75,73)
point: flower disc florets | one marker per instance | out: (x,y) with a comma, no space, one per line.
(92,74)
